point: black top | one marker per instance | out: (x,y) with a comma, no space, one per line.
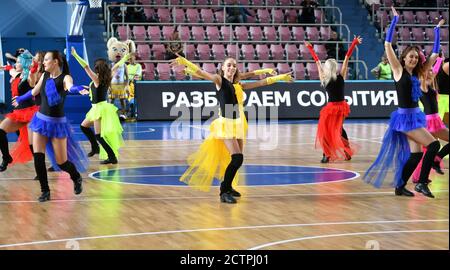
(58,109)
(429,101)
(37,100)
(98,94)
(404,91)
(335,89)
(228,100)
(22,89)
(442,80)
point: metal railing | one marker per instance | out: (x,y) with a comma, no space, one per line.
(228,25)
(290,62)
(403,8)
(383,33)
(221,7)
(237,56)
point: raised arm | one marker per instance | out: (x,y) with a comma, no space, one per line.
(85,66)
(195,70)
(392,58)
(315,57)
(436,45)
(287,77)
(344,70)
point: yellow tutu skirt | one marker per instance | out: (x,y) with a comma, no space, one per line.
(443,105)
(118,91)
(111,129)
(212,159)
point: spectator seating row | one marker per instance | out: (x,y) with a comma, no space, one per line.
(283,51)
(225,33)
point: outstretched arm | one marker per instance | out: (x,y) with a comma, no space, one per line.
(195,70)
(28,95)
(344,70)
(74,89)
(84,64)
(246,75)
(287,77)
(315,57)
(392,58)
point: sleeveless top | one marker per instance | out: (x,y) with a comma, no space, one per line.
(58,109)
(98,94)
(429,101)
(227,100)
(442,80)
(404,91)
(335,89)
(22,88)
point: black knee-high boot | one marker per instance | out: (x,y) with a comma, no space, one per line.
(7,159)
(437,160)
(91,137)
(41,172)
(428,159)
(226,186)
(443,152)
(74,175)
(407,171)
(346,143)
(111,156)
(344,134)
(32,152)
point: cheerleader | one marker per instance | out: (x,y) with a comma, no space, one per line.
(401,148)
(220,155)
(435,125)
(443,87)
(102,115)
(50,127)
(331,135)
(19,118)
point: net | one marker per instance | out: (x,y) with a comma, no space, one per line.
(95,3)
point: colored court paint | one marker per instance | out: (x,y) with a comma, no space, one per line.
(251,175)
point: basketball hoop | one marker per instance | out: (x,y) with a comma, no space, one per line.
(95,3)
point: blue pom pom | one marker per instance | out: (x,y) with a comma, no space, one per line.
(53,96)
(416,91)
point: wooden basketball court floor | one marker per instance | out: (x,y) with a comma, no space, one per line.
(330,208)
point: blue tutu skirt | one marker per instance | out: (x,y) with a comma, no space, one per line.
(58,127)
(395,149)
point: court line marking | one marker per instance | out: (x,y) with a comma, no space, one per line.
(221,229)
(173,175)
(342,234)
(91,175)
(211,197)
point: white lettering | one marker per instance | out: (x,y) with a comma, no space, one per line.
(285,98)
(197,99)
(167,97)
(300,99)
(183,100)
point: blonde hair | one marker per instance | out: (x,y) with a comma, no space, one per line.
(329,72)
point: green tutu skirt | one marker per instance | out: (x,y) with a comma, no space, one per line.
(443,105)
(111,129)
